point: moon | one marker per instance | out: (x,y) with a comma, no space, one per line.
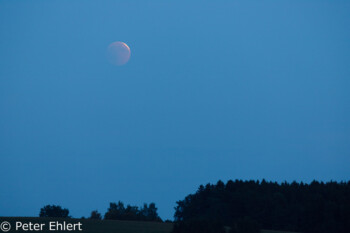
(118,53)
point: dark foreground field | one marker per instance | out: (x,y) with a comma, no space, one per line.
(95,226)
(100,226)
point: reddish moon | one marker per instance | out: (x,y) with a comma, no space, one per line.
(118,53)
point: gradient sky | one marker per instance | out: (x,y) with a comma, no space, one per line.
(213,90)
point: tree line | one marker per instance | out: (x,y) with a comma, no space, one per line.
(245,207)
(116,211)
(248,206)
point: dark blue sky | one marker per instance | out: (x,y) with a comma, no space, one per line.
(213,90)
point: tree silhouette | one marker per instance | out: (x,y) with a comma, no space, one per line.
(117,211)
(247,206)
(149,213)
(95,215)
(54,211)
